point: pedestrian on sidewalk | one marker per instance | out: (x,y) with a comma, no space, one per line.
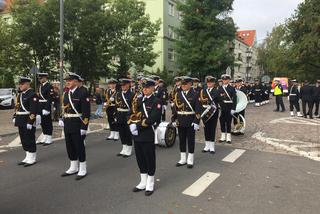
(98,99)
(306,92)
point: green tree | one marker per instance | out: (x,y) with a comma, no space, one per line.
(204,37)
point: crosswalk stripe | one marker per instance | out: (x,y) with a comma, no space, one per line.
(233,156)
(201,184)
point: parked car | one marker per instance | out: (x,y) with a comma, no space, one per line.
(7,97)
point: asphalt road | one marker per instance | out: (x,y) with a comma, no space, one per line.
(257,182)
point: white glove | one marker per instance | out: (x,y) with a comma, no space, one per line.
(104,104)
(232,112)
(174,124)
(38,120)
(61,123)
(54,108)
(29,126)
(172,104)
(133,127)
(135,133)
(164,107)
(196,127)
(111,99)
(83,132)
(14,120)
(45,112)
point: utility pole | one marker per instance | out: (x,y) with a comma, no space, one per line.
(61,63)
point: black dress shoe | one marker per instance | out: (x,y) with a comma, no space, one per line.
(115,139)
(137,189)
(21,163)
(46,144)
(212,152)
(29,164)
(40,143)
(68,174)
(148,193)
(119,155)
(180,164)
(125,156)
(228,142)
(205,151)
(80,177)
(190,166)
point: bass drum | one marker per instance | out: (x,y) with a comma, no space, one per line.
(166,134)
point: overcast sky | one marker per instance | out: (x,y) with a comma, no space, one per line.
(262,15)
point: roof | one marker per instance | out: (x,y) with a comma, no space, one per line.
(247,36)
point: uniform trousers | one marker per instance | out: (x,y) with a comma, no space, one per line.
(304,107)
(146,157)
(225,121)
(210,127)
(28,138)
(125,134)
(110,113)
(294,104)
(75,145)
(279,102)
(186,134)
(316,104)
(46,124)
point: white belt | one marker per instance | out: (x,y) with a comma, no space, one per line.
(112,105)
(186,112)
(43,101)
(123,109)
(206,106)
(225,101)
(22,113)
(71,115)
(292,94)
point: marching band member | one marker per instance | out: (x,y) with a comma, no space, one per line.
(187,118)
(149,108)
(75,120)
(164,99)
(110,106)
(46,97)
(294,96)
(160,93)
(209,99)
(123,105)
(25,118)
(196,86)
(228,102)
(257,93)
(240,87)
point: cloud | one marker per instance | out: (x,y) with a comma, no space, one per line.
(262,15)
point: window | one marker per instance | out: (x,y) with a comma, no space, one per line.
(171,34)
(180,15)
(171,9)
(171,54)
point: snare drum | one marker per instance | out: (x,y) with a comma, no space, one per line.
(166,134)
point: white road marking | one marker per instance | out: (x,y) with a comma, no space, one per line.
(296,120)
(2,150)
(233,156)
(17,142)
(279,143)
(201,184)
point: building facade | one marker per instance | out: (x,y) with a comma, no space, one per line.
(245,52)
(166,11)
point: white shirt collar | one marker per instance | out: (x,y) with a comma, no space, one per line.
(26,91)
(73,90)
(44,83)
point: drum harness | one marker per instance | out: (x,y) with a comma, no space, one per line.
(208,107)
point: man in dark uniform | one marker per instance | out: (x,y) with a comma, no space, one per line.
(75,120)
(306,92)
(123,105)
(294,96)
(209,100)
(110,105)
(149,107)
(165,97)
(187,118)
(228,102)
(160,93)
(46,98)
(196,85)
(257,93)
(25,118)
(242,88)
(316,98)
